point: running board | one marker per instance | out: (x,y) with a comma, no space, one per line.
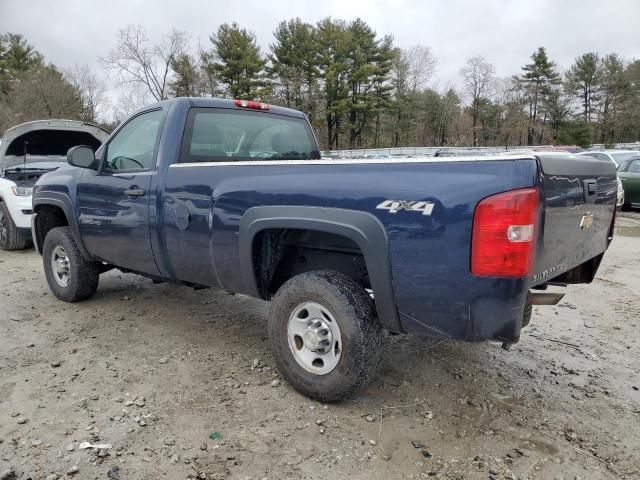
(539,298)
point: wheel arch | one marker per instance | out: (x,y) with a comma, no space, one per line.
(362,228)
(51,211)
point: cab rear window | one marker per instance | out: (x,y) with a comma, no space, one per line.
(221,135)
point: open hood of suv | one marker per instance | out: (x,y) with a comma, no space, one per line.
(47,140)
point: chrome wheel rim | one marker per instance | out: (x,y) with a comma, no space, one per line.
(3,229)
(314,338)
(60,266)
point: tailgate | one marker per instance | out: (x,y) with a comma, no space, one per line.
(579,197)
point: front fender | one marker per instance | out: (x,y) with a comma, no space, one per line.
(361,227)
(64,203)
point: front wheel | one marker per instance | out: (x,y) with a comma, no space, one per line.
(71,278)
(325,335)
(10,238)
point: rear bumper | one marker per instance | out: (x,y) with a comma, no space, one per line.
(494,311)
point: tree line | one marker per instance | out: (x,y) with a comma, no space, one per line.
(358,88)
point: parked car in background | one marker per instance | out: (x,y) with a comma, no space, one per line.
(629,174)
(463,152)
(615,156)
(27,152)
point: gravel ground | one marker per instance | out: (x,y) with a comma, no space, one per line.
(181,384)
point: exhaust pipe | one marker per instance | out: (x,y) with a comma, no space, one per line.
(540,298)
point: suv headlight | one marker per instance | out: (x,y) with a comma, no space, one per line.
(22,191)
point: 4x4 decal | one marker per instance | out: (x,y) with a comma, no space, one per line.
(394,206)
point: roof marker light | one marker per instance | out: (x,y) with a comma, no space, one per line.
(251,104)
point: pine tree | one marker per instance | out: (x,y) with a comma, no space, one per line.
(16,58)
(187,80)
(614,85)
(333,63)
(382,87)
(294,64)
(583,78)
(539,77)
(237,62)
(630,116)
(362,68)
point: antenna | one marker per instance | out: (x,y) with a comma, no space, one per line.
(24,161)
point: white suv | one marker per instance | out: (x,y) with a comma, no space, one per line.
(27,152)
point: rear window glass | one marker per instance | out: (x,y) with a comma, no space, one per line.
(218,135)
(634,167)
(621,157)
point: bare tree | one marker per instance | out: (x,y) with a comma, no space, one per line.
(130,98)
(421,65)
(91,91)
(477,77)
(137,61)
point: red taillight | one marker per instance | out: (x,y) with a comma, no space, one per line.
(251,104)
(504,234)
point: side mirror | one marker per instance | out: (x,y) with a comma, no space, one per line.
(82,156)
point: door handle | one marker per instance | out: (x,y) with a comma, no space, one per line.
(590,188)
(134,192)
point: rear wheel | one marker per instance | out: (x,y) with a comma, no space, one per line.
(528,311)
(10,238)
(325,335)
(71,278)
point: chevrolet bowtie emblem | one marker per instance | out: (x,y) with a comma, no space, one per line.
(586,221)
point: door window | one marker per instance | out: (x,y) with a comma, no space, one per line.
(132,149)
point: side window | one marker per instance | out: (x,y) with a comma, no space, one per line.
(634,167)
(132,148)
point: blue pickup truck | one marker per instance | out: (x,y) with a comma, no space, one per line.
(235,195)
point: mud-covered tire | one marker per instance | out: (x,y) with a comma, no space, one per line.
(360,331)
(10,238)
(83,275)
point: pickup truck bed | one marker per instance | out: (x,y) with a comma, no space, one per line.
(432,287)
(409,231)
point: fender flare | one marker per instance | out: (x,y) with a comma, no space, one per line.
(63,202)
(361,227)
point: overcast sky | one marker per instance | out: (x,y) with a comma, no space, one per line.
(506,32)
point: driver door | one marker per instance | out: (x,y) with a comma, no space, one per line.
(113,203)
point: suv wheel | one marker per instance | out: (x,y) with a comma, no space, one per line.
(10,239)
(71,278)
(325,335)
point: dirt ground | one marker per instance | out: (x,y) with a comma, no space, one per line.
(181,384)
